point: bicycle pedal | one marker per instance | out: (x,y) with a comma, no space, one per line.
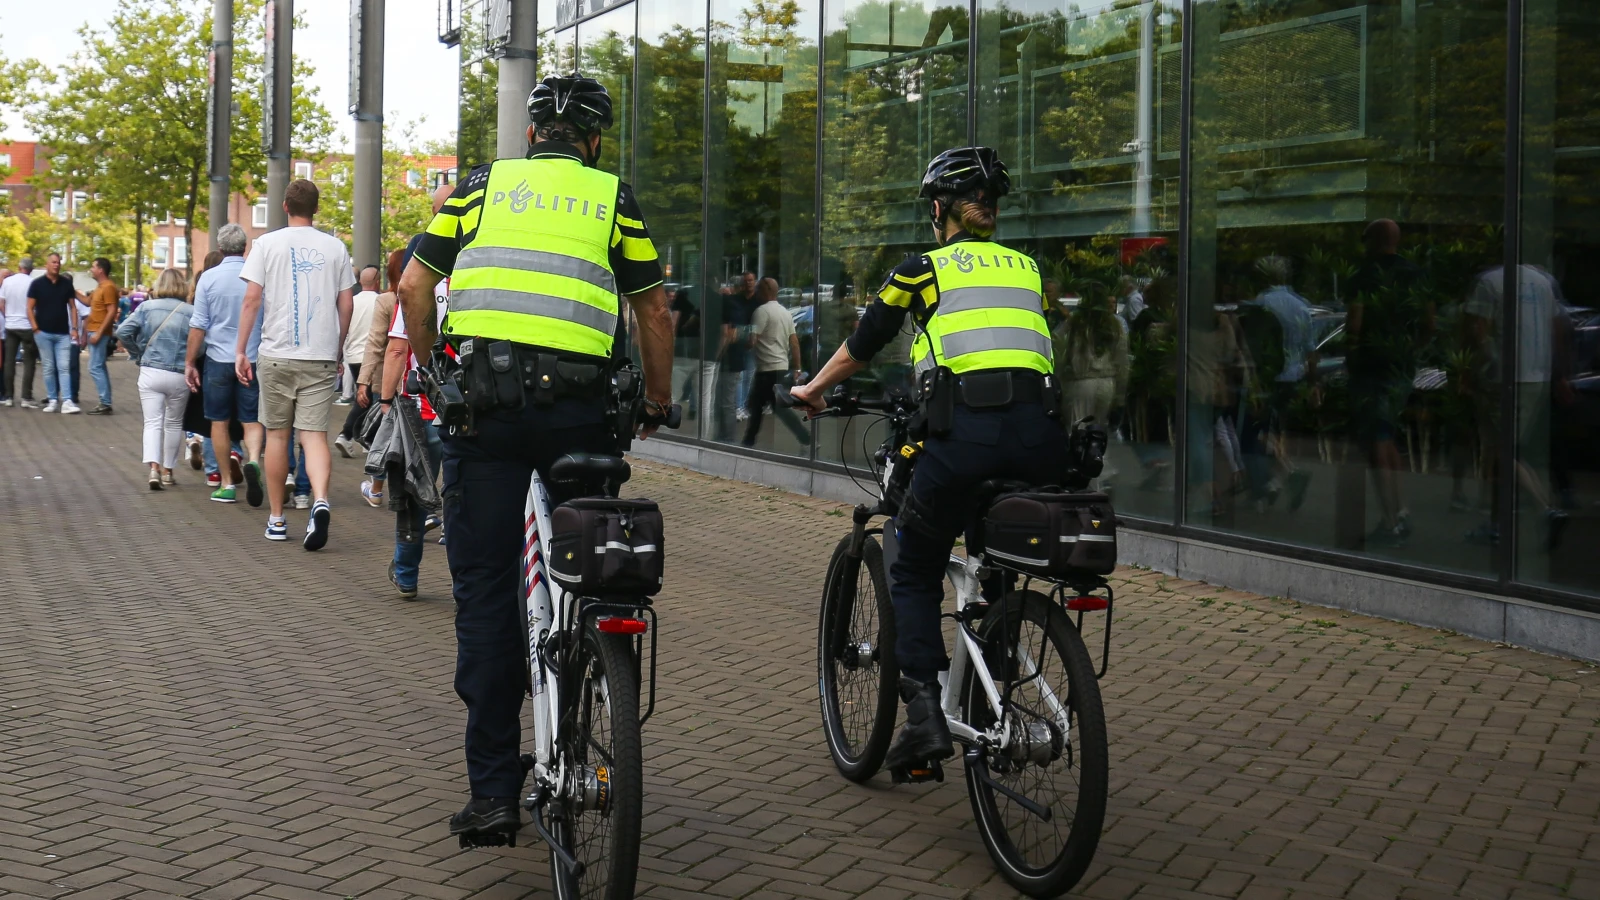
(475,839)
(916,773)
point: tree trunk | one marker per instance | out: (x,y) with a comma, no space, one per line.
(188,221)
(137,277)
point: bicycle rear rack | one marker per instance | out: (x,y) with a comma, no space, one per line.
(594,608)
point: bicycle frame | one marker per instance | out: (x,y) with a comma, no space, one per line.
(542,616)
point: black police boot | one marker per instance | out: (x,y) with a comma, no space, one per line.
(926,735)
(487,821)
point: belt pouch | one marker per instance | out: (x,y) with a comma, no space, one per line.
(939,400)
(986,390)
(506,375)
(479,377)
(545,379)
(1052,397)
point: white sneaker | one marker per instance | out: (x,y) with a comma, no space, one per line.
(343,443)
(50,406)
(374,498)
(8,402)
(29,404)
(68,407)
(302,501)
(289,481)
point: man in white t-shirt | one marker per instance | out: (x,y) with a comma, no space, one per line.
(776,349)
(18,335)
(299,278)
(355,348)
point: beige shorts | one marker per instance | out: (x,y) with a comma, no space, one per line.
(296,393)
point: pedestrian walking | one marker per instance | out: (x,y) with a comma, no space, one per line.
(213,335)
(355,348)
(776,350)
(299,283)
(370,378)
(53,315)
(156,335)
(105,303)
(18,336)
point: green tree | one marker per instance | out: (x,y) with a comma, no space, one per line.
(126,117)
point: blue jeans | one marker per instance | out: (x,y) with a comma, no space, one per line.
(208,454)
(408,556)
(56,352)
(97,370)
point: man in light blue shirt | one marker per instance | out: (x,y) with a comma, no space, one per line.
(214,328)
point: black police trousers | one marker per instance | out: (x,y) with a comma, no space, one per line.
(486,480)
(1020,443)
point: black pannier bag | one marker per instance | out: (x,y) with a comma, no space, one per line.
(601,546)
(1053,535)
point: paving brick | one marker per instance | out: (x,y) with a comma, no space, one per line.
(213,715)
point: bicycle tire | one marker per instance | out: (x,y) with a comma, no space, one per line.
(859,724)
(1025,855)
(606,670)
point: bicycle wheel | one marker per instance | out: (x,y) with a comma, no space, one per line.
(856,673)
(600,746)
(1058,759)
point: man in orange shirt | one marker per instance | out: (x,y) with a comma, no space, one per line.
(104,306)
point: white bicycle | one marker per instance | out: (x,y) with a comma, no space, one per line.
(1021,696)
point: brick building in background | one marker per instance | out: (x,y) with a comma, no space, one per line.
(164,242)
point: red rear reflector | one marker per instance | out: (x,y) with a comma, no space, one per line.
(614,625)
(1087,604)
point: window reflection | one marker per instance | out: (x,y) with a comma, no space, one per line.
(894,93)
(761,215)
(1347,176)
(1557,313)
(605,53)
(668,156)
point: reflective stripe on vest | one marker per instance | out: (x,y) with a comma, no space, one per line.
(538,270)
(990,313)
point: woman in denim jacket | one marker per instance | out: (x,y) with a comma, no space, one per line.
(156,335)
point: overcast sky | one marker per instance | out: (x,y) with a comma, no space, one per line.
(419,72)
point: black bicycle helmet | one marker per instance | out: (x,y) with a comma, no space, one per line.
(964,171)
(574,98)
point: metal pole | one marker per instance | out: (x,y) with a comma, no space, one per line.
(366,102)
(518,75)
(1145,136)
(279,84)
(221,113)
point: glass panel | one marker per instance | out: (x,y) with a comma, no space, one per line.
(1347,193)
(605,53)
(762,214)
(1072,98)
(895,93)
(1557,314)
(668,156)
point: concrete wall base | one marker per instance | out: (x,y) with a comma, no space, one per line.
(1510,620)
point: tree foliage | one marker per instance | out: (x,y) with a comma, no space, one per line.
(126,117)
(407,209)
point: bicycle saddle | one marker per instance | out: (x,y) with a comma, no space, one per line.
(591,467)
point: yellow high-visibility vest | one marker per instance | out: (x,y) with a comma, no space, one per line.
(990,313)
(538,271)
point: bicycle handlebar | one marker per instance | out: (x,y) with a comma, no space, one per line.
(844,403)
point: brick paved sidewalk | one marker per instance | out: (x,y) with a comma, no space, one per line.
(189,710)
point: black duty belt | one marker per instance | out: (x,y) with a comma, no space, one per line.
(505,374)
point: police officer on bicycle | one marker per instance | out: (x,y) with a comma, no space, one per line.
(538,252)
(987,390)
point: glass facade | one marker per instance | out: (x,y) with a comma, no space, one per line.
(1278,238)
